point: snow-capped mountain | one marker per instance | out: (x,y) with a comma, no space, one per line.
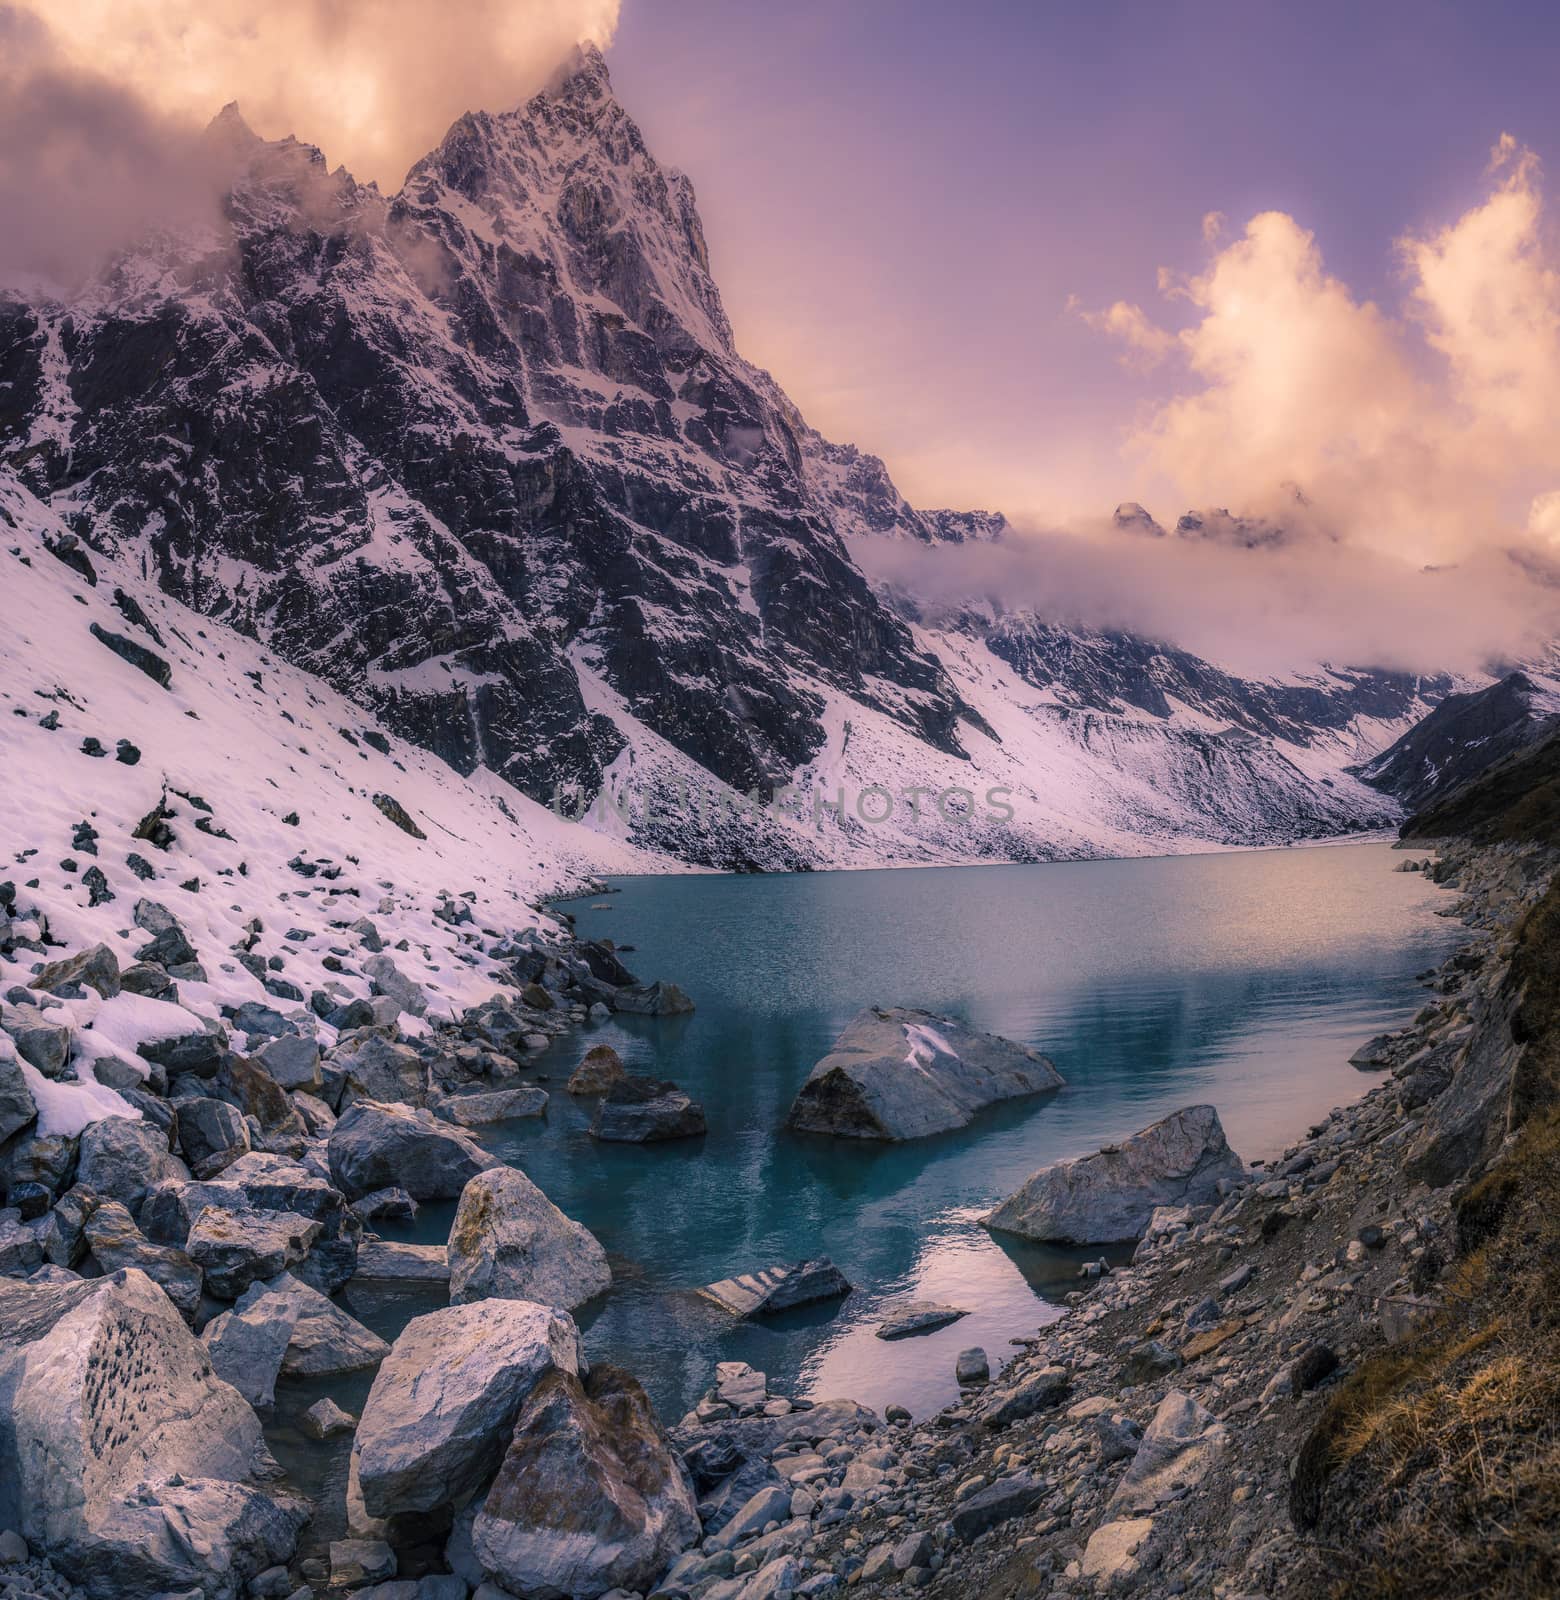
(483,456)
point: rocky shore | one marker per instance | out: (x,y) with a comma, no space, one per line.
(166,1275)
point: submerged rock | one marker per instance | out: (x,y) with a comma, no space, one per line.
(917,1316)
(646,1111)
(510,1241)
(903,1074)
(775,1289)
(590,1495)
(1111,1195)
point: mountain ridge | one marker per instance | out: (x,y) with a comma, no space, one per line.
(483,456)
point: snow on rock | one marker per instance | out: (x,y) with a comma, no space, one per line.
(264,780)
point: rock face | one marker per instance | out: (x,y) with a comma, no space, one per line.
(509,1241)
(1111,1195)
(902,1074)
(775,1289)
(123,1459)
(646,1111)
(377,1146)
(444,1401)
(590,1495)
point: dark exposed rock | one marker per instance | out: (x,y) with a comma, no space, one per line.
(398,814)
(139,657)
(636,1110)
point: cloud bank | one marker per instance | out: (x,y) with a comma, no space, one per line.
(102,101)
(1257,611)
(1430,432)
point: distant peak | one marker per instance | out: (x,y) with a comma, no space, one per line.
(230,120)
(583,72)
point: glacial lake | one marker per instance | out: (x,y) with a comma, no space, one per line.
(1244,980)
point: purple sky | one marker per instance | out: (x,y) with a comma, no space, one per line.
(901,195)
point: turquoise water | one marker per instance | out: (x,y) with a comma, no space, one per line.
(1242,979)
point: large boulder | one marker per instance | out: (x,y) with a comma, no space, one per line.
(590,1495)
(212,1134)
(368,1066)
(509,1241)
(902,1074)
(237,1248)
(94,968)
(1180,1445)
(497,1105)
(388,979)
(444,1401)
(265,1182)
(17,1108)
(124,1459)
(116,1243)
(377,1146)
(646,1111)
(1110,1196)
(121,1159)
(282,1326)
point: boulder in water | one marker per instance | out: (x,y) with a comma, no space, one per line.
(900,1074)
(1111,1195)
(646,1111)
(756,1294)
(377,1146)
(509,1241)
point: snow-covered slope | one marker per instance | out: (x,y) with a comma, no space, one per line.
(266,782)
(485,458)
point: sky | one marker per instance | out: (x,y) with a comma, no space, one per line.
(908,203)
(1298,260)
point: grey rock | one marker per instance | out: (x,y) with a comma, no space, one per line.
(391,981)
(1147,1361)
(115,1242)
(637,1110)
(246,1346)
(997,1503)
(374,1146)
(771,1504)
(1119,1436)
(775,1289)
(386,1261)
(444,1401)
(652,1000)
(903,1074)
(1111,1195)
(972,1367)
(509,1240)
(1180,1445)
(394,1203)
(358,1561)
(499,1105)
(293,1060)
(40,1043)
(21,1247)
(169,945)
(17,1108)
(917,1316)
(212,1135)
(589,1495)
(235,1248)
(121,1159)
(114,1356)
(1038,1391)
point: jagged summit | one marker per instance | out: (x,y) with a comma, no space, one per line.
(486,457)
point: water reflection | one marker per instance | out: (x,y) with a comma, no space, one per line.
(1244,980)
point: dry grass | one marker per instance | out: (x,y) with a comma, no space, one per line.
(1434,1473)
